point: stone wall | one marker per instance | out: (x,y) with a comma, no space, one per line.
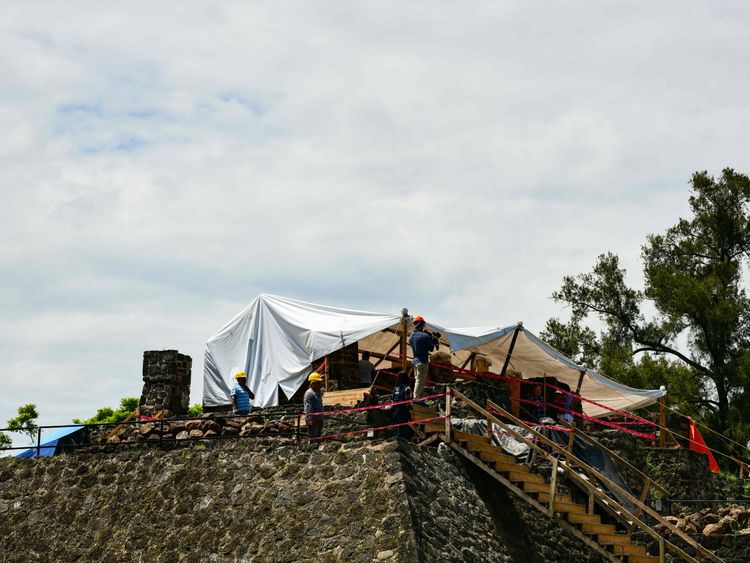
(266,500)
(166,383)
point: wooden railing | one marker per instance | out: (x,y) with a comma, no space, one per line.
(566,459)
(648,483)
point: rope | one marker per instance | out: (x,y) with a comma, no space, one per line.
(371,407)
(490,375)
(362,431)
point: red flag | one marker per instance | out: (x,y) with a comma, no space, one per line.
(698,444)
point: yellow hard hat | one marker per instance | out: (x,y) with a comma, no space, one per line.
(314,376)
(239,374)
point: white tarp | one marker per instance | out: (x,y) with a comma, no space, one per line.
(275,340)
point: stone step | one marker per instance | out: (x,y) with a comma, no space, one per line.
(629,550)
(613,539)
(594,529)
(583,518)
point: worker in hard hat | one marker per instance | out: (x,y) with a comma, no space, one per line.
(422,343)
(241,394)
(313,402)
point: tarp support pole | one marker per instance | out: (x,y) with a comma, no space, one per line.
(580,381)
(662,422)
(519,326)
(513,387)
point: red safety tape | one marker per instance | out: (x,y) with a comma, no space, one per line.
(596,420)
(550,385)
(371,407)
(362,431)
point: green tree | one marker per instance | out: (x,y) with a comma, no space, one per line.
(25,421)
(107,415)
(693,278)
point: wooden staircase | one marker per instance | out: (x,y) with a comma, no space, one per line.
(613,541)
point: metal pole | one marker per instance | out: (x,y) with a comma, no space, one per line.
(38,441)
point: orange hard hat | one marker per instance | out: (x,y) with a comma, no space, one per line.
(418,319)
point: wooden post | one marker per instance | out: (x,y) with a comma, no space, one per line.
(644,494)
(553,487)
(571,436)
(403,341)
(448,428)
(514,389)
(590,509)
(489,433)
(662,550)
(325,369)
(662,422)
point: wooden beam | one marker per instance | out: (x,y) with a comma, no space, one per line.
(662,422)
(386,355)
(571,436)
(553,487)
(519,327)
(402,337)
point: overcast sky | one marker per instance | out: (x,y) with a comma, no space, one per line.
(163,163)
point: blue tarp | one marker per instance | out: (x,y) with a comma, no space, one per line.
(49,443)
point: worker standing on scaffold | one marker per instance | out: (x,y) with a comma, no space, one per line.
(422,343)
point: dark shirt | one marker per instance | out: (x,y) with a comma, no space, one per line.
(313,403)
(537,408)
(421,344)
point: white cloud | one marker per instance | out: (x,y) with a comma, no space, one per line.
(161,165)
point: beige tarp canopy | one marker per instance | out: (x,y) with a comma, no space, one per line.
(530,358)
